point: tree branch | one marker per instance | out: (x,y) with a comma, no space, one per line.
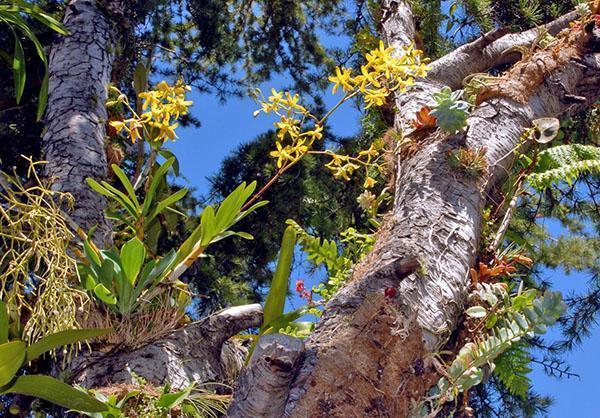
(399,21)
(487,52)
(189,354)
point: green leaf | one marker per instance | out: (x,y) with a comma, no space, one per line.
(153,274)
(162,267)
(512,368)
(282,321)
(128,395)
(140,78)
(43,97)
(244,235)
(122,199)
(163,204)
(12,356)
(127,185)
(132,258)
(228,234)
(166,154)
(104,294)
(107,272)
(451,112)
(449,25)
(157,178)
(18,67)
(89,283)
(3,323)
(98,188)
(57,392)
(213,227)
(251,209)
(491,321)
(37,13)
(279,286)
(171,400)
(453,8)
(229,208)
(564,163)
(208,223)
(300,329)
(61,339)
(18,21)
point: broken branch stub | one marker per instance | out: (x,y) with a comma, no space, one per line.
(264,385)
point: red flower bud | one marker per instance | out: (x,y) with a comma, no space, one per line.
(390,292)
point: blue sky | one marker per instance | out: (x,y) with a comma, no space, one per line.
(225,126)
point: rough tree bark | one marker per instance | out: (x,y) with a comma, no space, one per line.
(80,66)
(369,355)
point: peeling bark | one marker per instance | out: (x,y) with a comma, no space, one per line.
(80,65)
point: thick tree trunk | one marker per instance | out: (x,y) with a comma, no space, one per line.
(369,354)
(73,144)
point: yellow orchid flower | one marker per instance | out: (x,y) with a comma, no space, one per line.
(343,79)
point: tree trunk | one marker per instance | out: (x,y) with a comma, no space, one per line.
(369,355)
(80,67)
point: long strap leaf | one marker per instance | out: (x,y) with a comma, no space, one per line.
(275,302)
(3,323)
(55,391)
(60,339)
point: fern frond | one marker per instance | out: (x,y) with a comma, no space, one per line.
(565,163)
(320,251)
(466,370)
(512,368)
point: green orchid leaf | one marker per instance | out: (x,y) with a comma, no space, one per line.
(140,78)
(126,185)
(209,227)
(55,391)
(279,286)
(167,155)
(18,66)
(133,254)
(43,97)
(157,178)
(98,188)
(12,356)
(171,400)
(38,14)
(122,199)
(4,323)
(61,339)
(165,203)
(104,294)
